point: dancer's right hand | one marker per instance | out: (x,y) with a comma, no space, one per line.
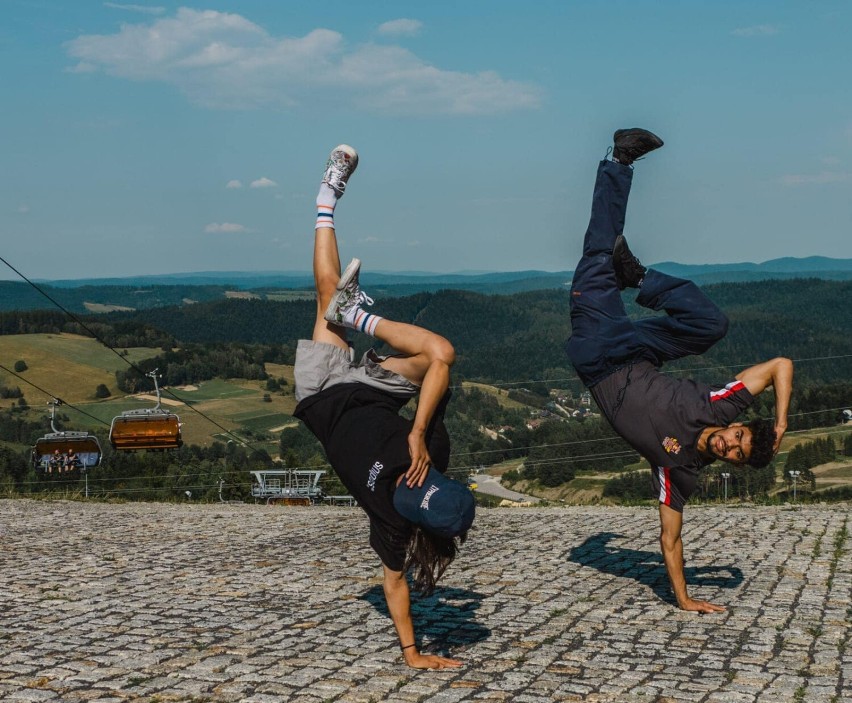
(701,606)
(430,661)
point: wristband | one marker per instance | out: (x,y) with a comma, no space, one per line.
(408,647)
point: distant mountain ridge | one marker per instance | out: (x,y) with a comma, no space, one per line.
(247,280)
(812,266)
(179,289)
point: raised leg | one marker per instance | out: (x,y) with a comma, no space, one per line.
(339,299)
(326,275)
(603,337)
(341,164)
(692,324)
(421,349)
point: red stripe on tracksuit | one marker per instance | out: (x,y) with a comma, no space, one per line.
(665,485)
(727,391)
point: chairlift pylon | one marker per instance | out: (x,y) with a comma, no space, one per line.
(148,428)
(59,452)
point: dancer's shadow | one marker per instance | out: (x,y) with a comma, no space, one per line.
(442,621)
(648,567)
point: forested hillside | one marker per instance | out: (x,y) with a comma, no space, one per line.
(513,342)
(146,292)
(521,337)
(508,339)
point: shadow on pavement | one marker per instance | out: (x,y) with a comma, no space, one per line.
(648,568)
(442,621)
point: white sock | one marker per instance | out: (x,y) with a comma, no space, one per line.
(326,202)
(361,321)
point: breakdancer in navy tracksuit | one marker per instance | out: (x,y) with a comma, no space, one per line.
(678,425)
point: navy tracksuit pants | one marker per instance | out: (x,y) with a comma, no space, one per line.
(603,338)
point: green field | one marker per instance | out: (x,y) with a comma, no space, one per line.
(501,394)
(71,367)
(67,365)
(262,423)
(215,389)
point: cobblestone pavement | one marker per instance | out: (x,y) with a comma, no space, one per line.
(167,602)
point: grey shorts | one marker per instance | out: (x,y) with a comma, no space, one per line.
(320,365)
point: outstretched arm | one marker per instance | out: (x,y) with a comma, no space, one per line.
(777,373)
(671,522)
(399,605)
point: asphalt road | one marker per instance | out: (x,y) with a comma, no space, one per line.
(490,485)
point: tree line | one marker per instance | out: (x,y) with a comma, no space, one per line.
(194,363)
(509,338)
(514,339)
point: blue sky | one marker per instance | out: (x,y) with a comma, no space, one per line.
(157,138)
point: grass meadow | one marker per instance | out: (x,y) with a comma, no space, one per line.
(71,367)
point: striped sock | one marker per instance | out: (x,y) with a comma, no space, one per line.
(362,321)
(326,202)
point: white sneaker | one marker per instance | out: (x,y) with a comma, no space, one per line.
(341,164)
(346,303)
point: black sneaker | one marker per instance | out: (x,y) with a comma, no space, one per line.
(629,271)
(632,144)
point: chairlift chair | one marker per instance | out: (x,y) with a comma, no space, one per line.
(65,451)
(148,428)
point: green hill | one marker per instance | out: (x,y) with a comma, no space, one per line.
(216,356)
(521,337)
(72,367)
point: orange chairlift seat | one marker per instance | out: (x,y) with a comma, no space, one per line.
(149,428)
(65,451)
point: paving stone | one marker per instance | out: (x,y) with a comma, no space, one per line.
(264,604)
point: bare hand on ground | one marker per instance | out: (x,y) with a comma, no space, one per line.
(430,661)
(702,606)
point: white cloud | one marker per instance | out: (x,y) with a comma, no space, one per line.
(830,160)
(234,184)
(225,228)
(23,208)
(264,183)
(224,61)
(758,30)
(400,27)
(144,9)
(81,67)
(818,178)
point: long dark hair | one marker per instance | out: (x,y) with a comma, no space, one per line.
(429,555)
